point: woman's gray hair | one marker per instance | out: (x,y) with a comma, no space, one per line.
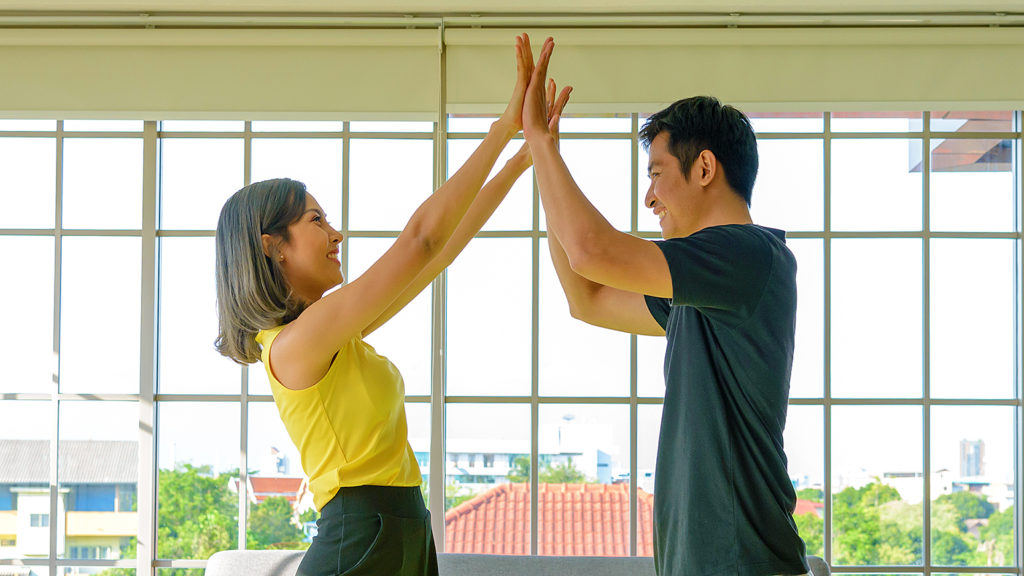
(252,293)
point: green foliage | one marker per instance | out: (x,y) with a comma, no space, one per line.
(997,539)
(812,530)
(968,506)
(310,515)
(564,473)
(196,513)
(271,526)
(520,471)
(812,494)
(455,495)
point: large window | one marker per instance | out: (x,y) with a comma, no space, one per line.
(904,427)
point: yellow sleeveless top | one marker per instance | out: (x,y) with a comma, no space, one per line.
(349,427)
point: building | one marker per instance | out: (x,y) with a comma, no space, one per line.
(972,458)
(96,505)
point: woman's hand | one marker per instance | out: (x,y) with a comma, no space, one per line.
(512,119)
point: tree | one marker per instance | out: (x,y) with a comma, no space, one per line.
(812,530)
(271,526)
(968,506)
(812,494)
(564,473)
(196,515)
(520,471)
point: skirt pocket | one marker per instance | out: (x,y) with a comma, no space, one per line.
(402,547)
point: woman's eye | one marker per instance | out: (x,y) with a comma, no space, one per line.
(316,218)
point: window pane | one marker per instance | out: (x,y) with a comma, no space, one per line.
(807,378)
(877,485)
(391,126)
(196,177)
(279,500)
(972,121)
(789,190)
(417,417)
(28,195)
(516,211)
(576,359)
(786,122)
(8,125)
(470,123)
(972,485)
(584,480)
(388,180)
(972,185)
(650,366)
(601,168)
(972,354)
(29,362)
(646,220)
(103,125)
(188,322)
(500,363)
(25,428)
(876,122)
(102,183)
(197,482)
(487,478)
(876,318)
(296,126)
(100,315)
(648,428)
(405,338)
(876,184)
(315,163)
(202,126)
(98,478)
(591,124)
(805,451)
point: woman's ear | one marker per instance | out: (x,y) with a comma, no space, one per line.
(269,246)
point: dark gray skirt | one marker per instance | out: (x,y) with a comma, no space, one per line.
(372,530)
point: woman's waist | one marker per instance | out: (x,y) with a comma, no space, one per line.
(400,501)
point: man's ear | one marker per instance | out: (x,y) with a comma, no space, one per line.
(707,165)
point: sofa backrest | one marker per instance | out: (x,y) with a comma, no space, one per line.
(285,562)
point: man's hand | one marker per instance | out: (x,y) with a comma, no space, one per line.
(555,108)
(535,101)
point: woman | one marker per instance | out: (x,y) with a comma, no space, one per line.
(341,402)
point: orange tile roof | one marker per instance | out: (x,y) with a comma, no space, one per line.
(573,520)
(808,507)
(264,487)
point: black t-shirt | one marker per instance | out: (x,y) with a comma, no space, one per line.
(723,500)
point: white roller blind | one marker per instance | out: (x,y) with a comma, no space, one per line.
(770,69)
(220,73)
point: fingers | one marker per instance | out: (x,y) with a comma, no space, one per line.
(550,95)
(527,52)
(563,99)
(541,69)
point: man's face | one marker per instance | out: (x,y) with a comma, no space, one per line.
(674,200)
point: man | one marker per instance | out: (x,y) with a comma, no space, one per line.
(723,290)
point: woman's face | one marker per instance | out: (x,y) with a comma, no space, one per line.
(312,261)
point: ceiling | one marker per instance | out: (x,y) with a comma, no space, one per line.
(495,7)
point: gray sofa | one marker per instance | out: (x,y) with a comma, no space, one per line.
(284,563)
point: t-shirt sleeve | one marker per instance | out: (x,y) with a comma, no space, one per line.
(659,307)
(719,268)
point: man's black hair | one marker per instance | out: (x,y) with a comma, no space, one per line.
(703,123)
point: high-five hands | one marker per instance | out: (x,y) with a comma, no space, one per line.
(538,95)
(542,100)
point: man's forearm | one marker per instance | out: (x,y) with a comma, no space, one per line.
(579,226)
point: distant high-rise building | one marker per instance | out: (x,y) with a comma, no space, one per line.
(972,458)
